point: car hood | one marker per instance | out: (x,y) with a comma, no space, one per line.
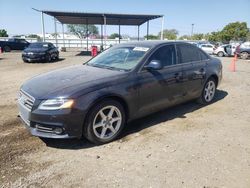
(35,50)
(70,81)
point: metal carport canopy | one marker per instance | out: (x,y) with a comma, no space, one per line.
(98,18)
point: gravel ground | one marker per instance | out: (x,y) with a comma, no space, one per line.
(185,146)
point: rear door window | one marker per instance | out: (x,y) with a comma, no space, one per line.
(165,54)
(188,53)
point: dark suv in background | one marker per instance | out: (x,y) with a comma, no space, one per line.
(125,82)
(14,44)
(243,50)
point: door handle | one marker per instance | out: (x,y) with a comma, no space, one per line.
(200,72)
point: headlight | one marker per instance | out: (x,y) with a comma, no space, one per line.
(56,104)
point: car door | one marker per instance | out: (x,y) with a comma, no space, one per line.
(160,88)
(193,62)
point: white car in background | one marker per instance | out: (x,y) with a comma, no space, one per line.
(225,50)
(208,48)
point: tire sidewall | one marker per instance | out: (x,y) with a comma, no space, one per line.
(88,131)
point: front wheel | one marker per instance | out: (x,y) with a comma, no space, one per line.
(48,58)
(208,92)
(104,122)
(6,49)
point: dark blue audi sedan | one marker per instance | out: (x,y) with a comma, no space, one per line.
(125,82)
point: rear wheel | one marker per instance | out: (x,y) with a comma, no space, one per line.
(6,49)
(104,122)
(208,92)
(244,55)
(220,54)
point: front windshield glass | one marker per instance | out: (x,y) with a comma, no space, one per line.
(122,58)
(38,45)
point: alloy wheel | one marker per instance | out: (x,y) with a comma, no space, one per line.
(107,122)
(209,91)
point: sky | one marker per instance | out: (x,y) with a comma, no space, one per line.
(17,16)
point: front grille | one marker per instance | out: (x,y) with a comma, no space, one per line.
(26,100)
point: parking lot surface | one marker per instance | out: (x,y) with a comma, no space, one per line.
(185,146)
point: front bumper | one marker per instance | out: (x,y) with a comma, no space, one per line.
(42,123)
(33,58)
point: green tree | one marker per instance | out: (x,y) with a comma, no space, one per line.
(215,36)
(234,31)
(170,34)
(198,36)
(114,36)
(81,30)
(152,37)
(248,36)
(184,37)
(3,33)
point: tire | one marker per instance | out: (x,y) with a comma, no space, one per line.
(25,61)
(220,54)
(208,92)
(6,49)
(57,57)
(103,126)
(48,58)
(244,55)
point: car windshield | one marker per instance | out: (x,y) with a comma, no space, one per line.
(122,58)
(39,45)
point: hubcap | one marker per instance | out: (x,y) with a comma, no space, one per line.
(107,122)
(209,91)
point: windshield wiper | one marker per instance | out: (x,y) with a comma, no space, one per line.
(106,67)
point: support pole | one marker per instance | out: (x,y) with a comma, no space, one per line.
(119,32)
(192,31)
(138,37)
(55,32)
(87,35)
(63,35)
(43,30)
(105,24)
(102,36)
(147,29)
(162,27)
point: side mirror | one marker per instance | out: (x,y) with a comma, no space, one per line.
(154,65)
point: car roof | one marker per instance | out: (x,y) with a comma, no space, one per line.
(151,43)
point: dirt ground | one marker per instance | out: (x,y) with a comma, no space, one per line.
(185,146)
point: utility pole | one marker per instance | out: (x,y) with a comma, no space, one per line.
(192,31)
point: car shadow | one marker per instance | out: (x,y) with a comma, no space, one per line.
(84,53)
(178,111)
(53,61)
